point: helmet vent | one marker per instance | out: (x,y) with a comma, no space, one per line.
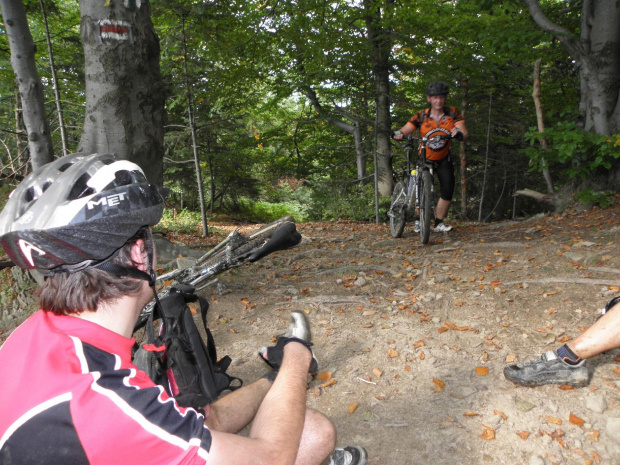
(64,167)
(123,178)
(46,186)
(29,195)
(81,188)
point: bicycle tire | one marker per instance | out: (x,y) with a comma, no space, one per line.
(398,216)
(426,206)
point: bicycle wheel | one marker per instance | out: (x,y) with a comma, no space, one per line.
(426,206)
(398,213)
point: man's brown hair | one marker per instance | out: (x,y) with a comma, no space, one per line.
(67,293)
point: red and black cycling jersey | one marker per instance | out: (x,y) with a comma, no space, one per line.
(71,395)
(428,127)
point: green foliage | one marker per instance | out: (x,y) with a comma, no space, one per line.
(333,200)
(265,212)
(581,153)
(184,221)
(590,197)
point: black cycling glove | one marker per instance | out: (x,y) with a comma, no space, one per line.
(274,354)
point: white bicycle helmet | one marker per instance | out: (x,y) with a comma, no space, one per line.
(76,212)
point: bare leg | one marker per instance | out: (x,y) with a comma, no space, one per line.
(317,440)
(603,335)
(234,411)
(442,208)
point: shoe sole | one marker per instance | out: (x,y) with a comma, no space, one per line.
(575,384)
(299,327)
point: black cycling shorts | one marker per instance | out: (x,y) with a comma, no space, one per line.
(445,174)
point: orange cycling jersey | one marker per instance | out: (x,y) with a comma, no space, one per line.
(429,128)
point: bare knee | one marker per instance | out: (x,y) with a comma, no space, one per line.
(318,439)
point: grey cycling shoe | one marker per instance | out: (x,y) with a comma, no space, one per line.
(350,455)
(299,327)
(548,369)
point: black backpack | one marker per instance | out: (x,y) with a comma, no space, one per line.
(178,359)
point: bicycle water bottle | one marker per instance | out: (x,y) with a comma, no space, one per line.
(412,188)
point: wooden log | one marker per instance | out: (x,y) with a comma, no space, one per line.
(536,196)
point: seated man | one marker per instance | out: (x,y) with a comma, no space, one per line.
(568,364)
(71,393)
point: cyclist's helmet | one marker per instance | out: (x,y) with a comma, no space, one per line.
(77,211)
(437,88)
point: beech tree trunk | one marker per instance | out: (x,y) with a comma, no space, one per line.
(28,82)
(124,90)
(597,56)
(381,46)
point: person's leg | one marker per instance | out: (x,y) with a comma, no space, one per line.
(442,209)
(603,335)
(568,364)
(234,411)
(445,175)
(317,440)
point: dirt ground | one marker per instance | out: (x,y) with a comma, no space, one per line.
(412,339)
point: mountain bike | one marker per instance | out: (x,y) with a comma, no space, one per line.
(413,193)
(236,250)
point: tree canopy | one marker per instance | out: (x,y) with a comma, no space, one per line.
(293,99)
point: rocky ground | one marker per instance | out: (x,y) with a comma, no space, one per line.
(412,339)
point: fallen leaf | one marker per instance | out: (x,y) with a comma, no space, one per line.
(325,376)
(562,443)
(588,461)
(592,435)
(422,355)
(439,385)
(488,434)
(565,387)
(523,434)
(482,371)
(391,353)
(575,420)
(470,414)
(377,372)
(617,371)
(501,414)
(554,420)
(597,458)
(331,382)
(617,358)
(443,329)
(420,343)
(367,325)
(368,313)
(352,407)
(510,358)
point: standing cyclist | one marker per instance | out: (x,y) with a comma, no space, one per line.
(438,119)
(70,391)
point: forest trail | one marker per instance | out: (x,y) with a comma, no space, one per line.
(412,339)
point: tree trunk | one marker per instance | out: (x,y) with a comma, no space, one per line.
(124,90)
(462,154)
(352,128)
(486,159)
(61,123)
(541,124)
(28,81)
(381,46)
(597,56)
(192,127)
